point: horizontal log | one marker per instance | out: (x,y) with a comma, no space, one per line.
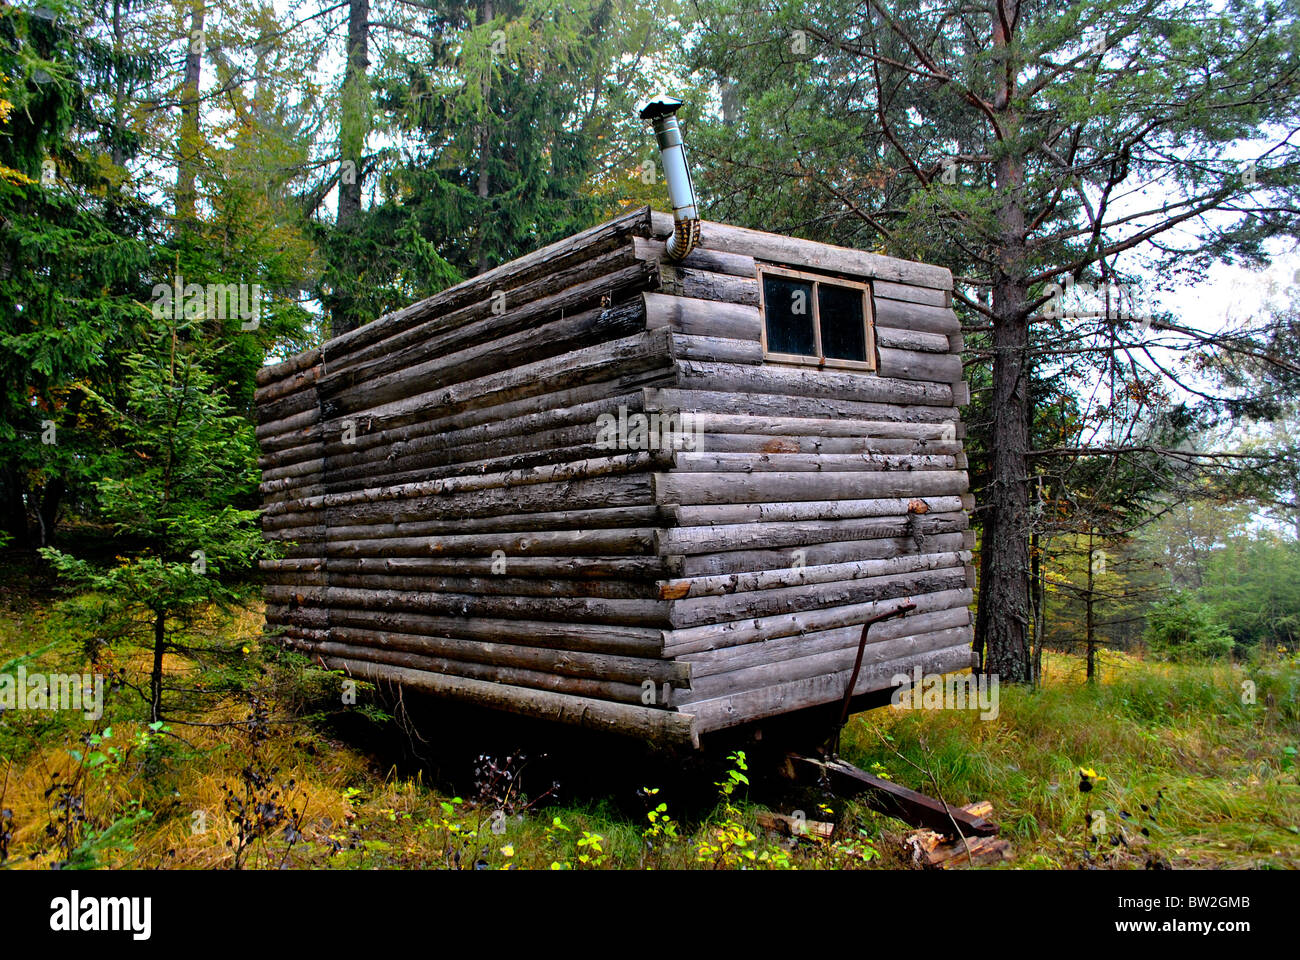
(641,613)
(813,554)
(607,690)
(395,521)
(829,663)
(807,382)
(812,445)
(297,421)
(421,504)
(683,281)
(818,427)
(566,663)
(902,291)
(776,461)
(916,316)
(543,543)
(561,426)
(503,581)
(545,261)
(697,488)
(746,513)
(882,644)
(487,340)
(663,726)
(718,636)
(716,261)
(899,338)
(606,361)
(793,576)
(543,568)
(702,318)
(699,610)
(271,410)
(704,399)
(717,348)
(795,252)
(733,709)
(915,365)
(274,373)
(494,421)
(300,382)
(639,642)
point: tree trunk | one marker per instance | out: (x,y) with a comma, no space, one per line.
(354,126)
(187,153)
(1005,556)
(14,507)
(47,512)
(484,156)
(1088,628)
(1037,596)
(156,677)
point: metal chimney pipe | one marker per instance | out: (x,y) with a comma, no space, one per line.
(681,191)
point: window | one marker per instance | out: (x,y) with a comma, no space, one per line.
(810,319)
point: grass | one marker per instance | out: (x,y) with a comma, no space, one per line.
(261,766)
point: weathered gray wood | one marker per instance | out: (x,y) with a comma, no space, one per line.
(794,252)
(730,710)
(768,462)
(646,613)
(426,450)
(684,281)
(702,318)
(899,338)
(638,642)
(758,443)
(792,576)
(916,316)
(741,402)
(716,261)
(819,664)
(814,554)
(913,294)
(644,351)
(819,427)
(914,365)
(720,648)
(717,348)
(664,726)
(274,373)
(584,312)
(811,382)
(494,671)
(544,261)
(846,509)
(693,488)
(694,611)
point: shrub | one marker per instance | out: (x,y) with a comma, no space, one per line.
(1185,629)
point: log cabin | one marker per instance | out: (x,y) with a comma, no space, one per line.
(649,479)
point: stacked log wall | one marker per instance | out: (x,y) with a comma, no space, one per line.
(449,516)
(452,520)
(820,497)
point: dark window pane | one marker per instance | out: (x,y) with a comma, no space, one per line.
(844,335)
(788,313)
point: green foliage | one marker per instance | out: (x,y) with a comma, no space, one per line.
(1253,586)
(1183,628)
(179,461)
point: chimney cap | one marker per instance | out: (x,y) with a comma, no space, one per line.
(661,105)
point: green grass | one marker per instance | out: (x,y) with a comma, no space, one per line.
(1188,775)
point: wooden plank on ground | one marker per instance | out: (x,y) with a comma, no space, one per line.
(894,799)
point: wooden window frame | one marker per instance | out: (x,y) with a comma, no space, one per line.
(820,361)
